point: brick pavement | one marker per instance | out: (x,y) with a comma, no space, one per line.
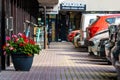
(63,62)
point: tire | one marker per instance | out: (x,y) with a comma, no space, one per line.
(109,63)
(91,53)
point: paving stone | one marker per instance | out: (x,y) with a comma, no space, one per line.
(63,62)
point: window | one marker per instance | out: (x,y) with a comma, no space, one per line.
(110,20)
(95,20)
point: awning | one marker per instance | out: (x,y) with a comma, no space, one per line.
(48,2)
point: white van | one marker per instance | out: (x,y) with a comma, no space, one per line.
(86,20)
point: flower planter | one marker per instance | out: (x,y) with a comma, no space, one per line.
(22,62)
(22,50)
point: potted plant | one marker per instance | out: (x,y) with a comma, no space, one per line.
(22,50)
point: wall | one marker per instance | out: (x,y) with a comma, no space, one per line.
(103,5)
(98,5)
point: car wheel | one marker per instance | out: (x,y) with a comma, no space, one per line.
(109,63)
(90,52)
(98,53)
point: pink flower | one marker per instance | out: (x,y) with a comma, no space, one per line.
(4,52)
(7,38)
(20,34)
(7,44)
(11,48)
(14,36)
(16,40)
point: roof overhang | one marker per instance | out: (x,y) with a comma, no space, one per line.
(48,2)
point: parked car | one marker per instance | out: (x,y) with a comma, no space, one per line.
(112,49)
(86,20)
(95,41)
(99,30)
(71,35)
(76,40)
(101,47)
(101,24)
(112,41)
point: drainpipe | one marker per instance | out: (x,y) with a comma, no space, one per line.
(2,33)
(45,31)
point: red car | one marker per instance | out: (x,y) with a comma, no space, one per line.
(101,25)
(72,34)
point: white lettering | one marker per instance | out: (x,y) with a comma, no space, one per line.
(72,4)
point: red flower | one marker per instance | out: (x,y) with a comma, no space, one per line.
(21,44)
(4,47)
(22,35)
(32,42)
(26,40)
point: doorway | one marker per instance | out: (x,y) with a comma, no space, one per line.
(68,21)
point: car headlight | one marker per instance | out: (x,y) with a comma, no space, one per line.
(96,40)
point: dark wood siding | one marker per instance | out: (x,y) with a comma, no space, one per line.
(13,16)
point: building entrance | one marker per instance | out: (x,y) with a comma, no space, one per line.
(68,21)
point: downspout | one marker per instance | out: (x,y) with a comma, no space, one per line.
(2,34)
(45,32)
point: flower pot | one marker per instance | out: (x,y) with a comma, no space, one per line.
(22,62)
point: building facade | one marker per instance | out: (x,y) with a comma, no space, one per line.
(99,5)
(16,16)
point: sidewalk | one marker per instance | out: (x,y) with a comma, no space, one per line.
(63,62)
